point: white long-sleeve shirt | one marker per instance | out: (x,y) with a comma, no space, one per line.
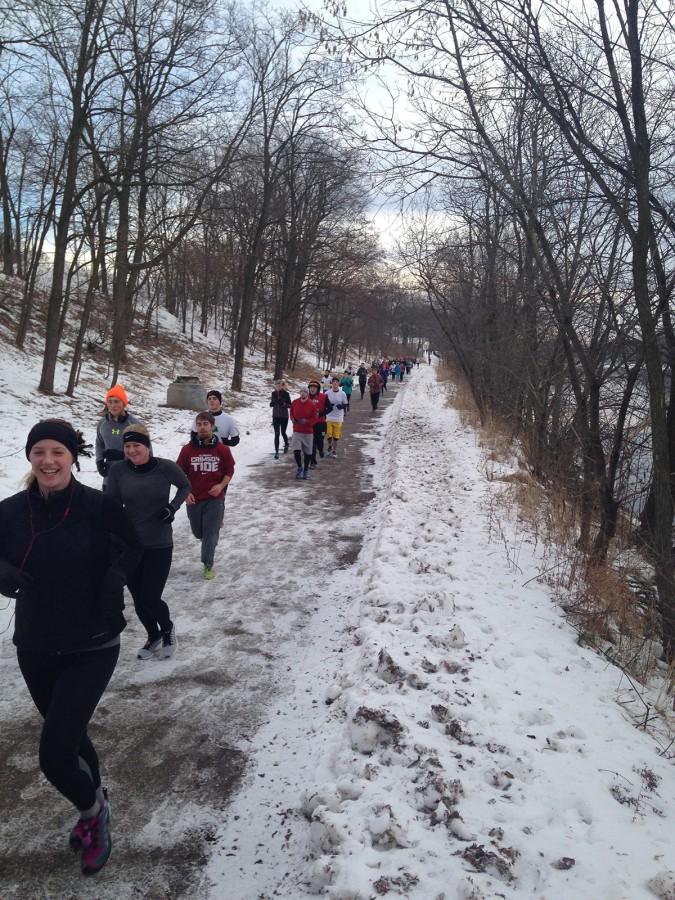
(225,428)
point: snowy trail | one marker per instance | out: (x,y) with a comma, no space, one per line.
(473,749)
(175,735)
(419,722)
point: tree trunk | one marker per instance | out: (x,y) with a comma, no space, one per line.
(85,64)
(7,242)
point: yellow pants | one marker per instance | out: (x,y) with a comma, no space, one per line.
(334,430)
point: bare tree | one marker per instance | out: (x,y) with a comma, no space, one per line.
(69,36)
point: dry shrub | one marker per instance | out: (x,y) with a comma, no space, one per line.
(522,476)
(497,439)
(459,394)
(603,605)
(605,602)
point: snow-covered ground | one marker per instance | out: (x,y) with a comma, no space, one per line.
(446,736)
(433,730)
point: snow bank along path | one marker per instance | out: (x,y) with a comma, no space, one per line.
(444,735)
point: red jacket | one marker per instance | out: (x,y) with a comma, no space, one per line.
(375,383)
(319,401)
(206,466)
(306,411)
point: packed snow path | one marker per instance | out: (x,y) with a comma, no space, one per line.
(375,698)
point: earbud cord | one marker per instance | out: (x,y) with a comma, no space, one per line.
(36,534)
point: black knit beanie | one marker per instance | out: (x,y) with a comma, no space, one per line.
(54,430)
(216,394)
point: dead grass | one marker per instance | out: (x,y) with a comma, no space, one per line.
(304,373)
(612,602)
(459,395)
(497,439)
(603,605)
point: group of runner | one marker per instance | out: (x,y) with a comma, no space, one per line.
(318,413)
(67,550)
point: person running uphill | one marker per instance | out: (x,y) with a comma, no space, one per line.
(336,403)
(66,551)
(142,483)
(224,426)
(375,383)
(209,466)
(109,445)
(362,375)
(303,416)
(280,403)
(318,398)
(347,385)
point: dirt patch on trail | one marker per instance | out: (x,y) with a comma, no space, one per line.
(169,783)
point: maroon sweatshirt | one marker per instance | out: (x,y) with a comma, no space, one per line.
(205,466)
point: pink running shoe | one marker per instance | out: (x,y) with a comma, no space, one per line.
(96,842)
(76,836)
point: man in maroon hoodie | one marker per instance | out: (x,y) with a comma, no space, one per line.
(303,417)
(375,385)
(209,466)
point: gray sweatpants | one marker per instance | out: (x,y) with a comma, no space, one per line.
(206,517)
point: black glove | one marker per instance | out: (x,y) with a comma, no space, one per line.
(12,580)
(166,514)
(102,467)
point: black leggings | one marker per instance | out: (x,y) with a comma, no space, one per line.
(146,584)
(299,456)
(317,444)
(362,388)
(66,688)
(374,400)
(280,425)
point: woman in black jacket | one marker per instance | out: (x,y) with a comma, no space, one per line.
(65,553)
(280,403)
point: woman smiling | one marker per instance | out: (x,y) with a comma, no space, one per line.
(65,553)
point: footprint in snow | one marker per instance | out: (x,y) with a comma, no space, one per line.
(538,716)
(570,740)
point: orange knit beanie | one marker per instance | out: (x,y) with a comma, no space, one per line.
(119,392)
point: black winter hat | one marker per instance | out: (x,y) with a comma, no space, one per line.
(216,394)
(56,430)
